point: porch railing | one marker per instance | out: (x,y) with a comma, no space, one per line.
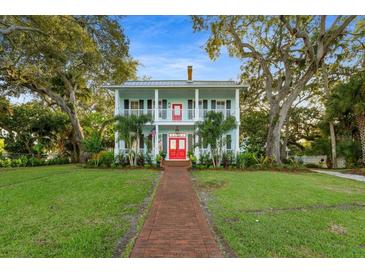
(169,114)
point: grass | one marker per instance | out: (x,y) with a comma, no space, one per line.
(277,214)
(68,211)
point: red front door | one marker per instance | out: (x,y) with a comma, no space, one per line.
(176,112)
(177,148)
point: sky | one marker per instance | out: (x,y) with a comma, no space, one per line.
(166,45)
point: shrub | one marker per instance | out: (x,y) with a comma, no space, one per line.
(106,158)
(263,161)
(140,159)
(121,160)
(246,160)
(24,160)
(227,159)
(16,162)
(205,160)
(5,163)
(148,159)
(192,158)
(295,163)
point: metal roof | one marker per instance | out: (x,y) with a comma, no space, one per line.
(176,84)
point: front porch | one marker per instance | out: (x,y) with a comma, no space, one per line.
(175,142)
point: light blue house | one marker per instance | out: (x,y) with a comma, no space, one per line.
(181,103)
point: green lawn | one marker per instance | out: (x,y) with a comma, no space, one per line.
(276,214)
(67,211)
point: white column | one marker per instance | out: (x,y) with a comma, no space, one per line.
(197,150)
(116,112)
(196,104)
(237,112)
(156,105)
(156,141)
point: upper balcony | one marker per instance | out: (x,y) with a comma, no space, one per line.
(176,115)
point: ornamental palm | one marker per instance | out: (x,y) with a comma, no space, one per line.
(130,131)
(349,99)
(211,131)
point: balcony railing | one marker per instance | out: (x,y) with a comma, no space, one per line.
(171,115)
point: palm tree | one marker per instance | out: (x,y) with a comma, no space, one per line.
(349,98)
(130,131)
(211,131)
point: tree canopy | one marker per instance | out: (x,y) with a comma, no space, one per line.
(63,60)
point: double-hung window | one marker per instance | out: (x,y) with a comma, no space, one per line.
(221,106)
(135,107)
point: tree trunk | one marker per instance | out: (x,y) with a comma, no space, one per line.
(332,128)
(333,145)
(285,143)
(360,121)
(78,136)
(277,118)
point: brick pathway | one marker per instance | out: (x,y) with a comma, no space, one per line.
(176,226)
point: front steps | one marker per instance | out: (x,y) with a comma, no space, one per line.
(175,163)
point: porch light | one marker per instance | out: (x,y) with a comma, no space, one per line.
(177,130)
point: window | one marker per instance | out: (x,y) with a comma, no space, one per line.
(221,105)
(134,105)
(181,144)
(229,141)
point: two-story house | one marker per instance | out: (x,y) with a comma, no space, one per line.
(176,106)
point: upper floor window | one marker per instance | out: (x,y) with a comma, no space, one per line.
(221,104)
(134,104)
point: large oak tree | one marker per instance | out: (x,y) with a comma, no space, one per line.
(63,59)
(280,55)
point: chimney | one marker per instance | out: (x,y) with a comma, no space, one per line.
(190,73)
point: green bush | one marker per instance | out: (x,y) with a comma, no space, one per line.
(351,151)
(24,161)
(140,159)
(246,160)
(106,158)
(121,160)
(206,160)
(16,162)
(192,158)
(263,161)
(227,159)
(5,163)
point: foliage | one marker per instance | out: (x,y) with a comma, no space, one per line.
(2,146)
(246,160)
(228,159)
(205,160)
(254,129)
(350,150)
(106,158)
(25,161)
(93,144)
(280,56)
(63,60)
(192,158)
(211,131)
(263,161)
(348,99)
(129,129)
(32,128)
